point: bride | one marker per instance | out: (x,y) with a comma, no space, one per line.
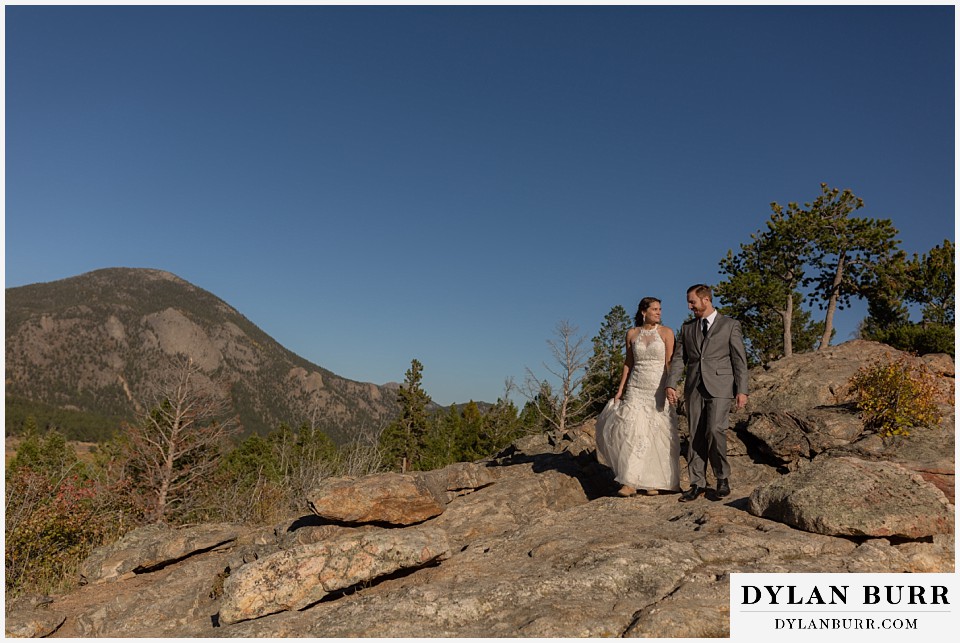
(637,434)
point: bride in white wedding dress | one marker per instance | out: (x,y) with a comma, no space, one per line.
(637,434)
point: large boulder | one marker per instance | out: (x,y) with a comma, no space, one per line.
(926,450)
(808,380)
(387,498)
(152,547)
(846,496)
(299,577)
(787,436)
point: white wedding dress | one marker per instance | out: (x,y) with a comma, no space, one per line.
(639,437)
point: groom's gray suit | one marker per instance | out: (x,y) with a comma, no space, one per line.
(716,374)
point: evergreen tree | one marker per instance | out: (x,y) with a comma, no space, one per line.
(762,281)
(470,443)
(314,447)
(442,438)
(846,251)
(282,442)
(403,441)
(251,461)
(933,284)
(884,290)
(927,280)
(818,249)
(763,333)
(605,368)
(501,425)
(49,455)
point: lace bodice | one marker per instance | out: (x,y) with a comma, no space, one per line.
(649,352)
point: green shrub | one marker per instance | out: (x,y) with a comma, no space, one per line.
(51,526)
(916,338)
(895,396)
(56,512)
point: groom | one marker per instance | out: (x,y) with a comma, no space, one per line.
(711,346)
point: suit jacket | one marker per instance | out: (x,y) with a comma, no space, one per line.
(720,362)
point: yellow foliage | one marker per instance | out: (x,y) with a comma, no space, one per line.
(894,396)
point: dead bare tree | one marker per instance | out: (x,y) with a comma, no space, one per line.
(362,455)
(571,356)
(176,445)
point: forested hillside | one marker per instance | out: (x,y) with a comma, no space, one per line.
(96,343)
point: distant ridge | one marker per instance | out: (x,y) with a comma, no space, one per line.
(93,343)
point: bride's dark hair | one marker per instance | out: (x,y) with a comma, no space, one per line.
(642,308)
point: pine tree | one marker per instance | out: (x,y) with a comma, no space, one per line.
(927,280)
(404,440)
(470,439)
(933,283)
(885,289)
(442,436)
(501,425)
(846,251)
(49,454)
(761,286)
(605,368)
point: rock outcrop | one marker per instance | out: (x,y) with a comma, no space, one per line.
(820,378)
(533,542)
(851,497)
(296,578)
(786,437)
(151,547)
(391,498)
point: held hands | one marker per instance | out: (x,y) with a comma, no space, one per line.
(672,396)
(741,400)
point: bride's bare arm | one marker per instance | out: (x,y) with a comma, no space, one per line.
(668,339)
(627,364)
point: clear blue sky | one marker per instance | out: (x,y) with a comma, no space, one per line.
(371,184)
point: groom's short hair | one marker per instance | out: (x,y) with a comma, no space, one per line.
(702,291)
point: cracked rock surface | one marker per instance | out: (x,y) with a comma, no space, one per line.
(533,542)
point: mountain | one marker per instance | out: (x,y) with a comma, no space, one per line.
(94,343)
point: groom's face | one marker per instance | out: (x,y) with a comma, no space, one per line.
(699,307)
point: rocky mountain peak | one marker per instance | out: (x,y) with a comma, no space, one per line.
(96,342)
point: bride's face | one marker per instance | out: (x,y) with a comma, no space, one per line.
(652,314)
